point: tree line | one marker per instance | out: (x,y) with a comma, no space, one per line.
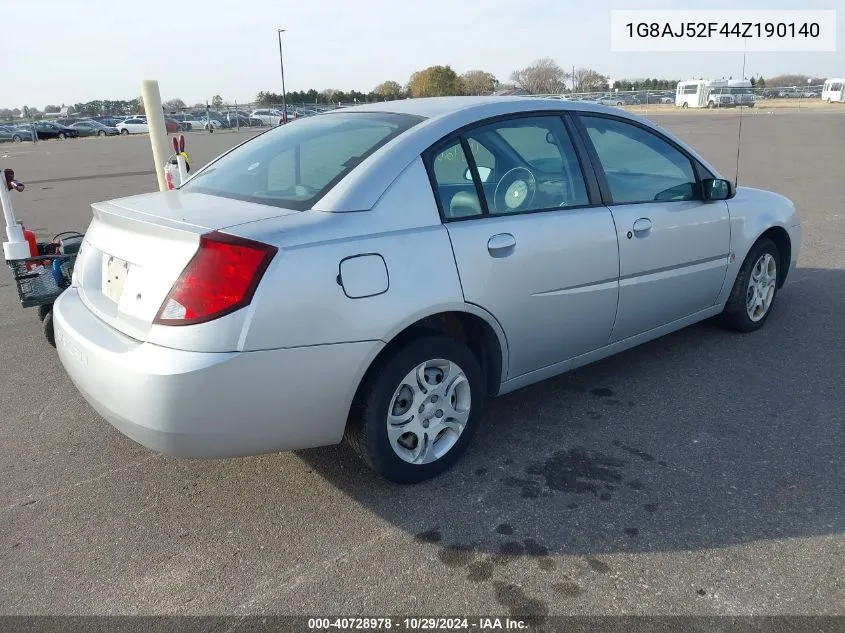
(543,76)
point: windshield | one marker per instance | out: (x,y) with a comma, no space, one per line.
(295,165)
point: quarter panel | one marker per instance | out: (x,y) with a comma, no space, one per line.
(301,302)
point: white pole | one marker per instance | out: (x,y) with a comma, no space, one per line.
(17,247)
(158,131)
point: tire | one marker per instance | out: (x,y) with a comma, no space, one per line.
(736,313)
(101,133)
(381,390)
(124,132)
(685,105)
(618,104)
(710,105)
(47,324)
(43,310)
(62,136)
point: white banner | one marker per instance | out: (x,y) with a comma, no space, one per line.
(720,31)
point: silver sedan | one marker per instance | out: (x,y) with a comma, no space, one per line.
(376,273)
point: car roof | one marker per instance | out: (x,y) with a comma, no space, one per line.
(435,107)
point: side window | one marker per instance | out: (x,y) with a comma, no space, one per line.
(532,165)
(454,186)
(639,165)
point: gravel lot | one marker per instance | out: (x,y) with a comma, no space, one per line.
(710,468)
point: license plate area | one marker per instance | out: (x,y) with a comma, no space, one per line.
(115,271)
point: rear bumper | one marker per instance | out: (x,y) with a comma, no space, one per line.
(194,404)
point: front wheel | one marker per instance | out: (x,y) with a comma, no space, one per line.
(711,105)
(62,135)
(124,132)
(417,409)
(16,139)
(101,133)
(754,290)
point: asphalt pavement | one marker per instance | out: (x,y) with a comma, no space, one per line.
(702,473)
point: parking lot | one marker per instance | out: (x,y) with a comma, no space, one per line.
(702,473)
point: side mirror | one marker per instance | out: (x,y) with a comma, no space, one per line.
(483,173)
(718,189)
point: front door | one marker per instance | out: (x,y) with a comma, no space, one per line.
(530,247)
(673,246)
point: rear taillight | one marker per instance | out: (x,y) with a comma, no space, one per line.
(220,278)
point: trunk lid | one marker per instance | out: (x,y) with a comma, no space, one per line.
(135,249)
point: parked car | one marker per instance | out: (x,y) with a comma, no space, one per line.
(133,125)
(611,100)
(47,130)
(268,116)
(94,128)
(172,125)
(240,120)
(366,241)
(109,121)
(12,134)
(183,119)
(199,121)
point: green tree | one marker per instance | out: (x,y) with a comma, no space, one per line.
(434,81)
(51,109)
(216,101)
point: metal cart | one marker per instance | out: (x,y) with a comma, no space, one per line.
(42,270)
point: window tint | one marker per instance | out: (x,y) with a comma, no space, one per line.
(457,194)
(293,166)
(639,165)
(532,165)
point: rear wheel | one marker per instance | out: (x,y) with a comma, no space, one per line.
(685,105)
(416,411)
(754,290)
(16,139)
(711,105)
(47,324)
(62,135)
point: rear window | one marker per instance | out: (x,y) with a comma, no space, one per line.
(294,165)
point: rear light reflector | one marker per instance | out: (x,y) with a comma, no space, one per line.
(220,278)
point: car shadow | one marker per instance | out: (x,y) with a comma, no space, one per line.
(701,439)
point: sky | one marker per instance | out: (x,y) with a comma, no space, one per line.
(96,49)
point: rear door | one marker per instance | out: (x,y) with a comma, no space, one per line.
(532,242)
(673,246)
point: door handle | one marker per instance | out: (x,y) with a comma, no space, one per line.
(642,226)
(501,245)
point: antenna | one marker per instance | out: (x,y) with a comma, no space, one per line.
(739,135)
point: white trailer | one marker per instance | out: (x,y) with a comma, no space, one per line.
(834,90)
(714,93)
